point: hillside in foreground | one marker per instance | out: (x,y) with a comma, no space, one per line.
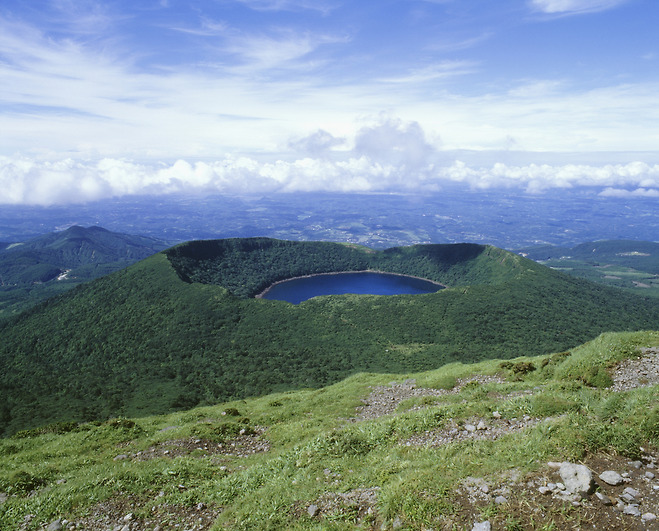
(445,449)
(167,333)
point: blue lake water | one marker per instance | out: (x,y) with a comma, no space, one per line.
(297,290)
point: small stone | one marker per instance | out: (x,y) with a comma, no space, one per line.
(544,490)
(3,497)
(60,481)
(649,475)
(627,498)
(397,523)
(201,506)
(632,492)
(120,457)
(551,486)
(481,426)
(128,517)
(560,486)
(485,489)
(499,500)
(496,414)
(312,510)
(470,428)
(648,517)
(625,475)
(603,498)
(632,510)
(482,526)
(636,464)
(610,477)
(55,525)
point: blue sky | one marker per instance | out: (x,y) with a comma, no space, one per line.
(104,99)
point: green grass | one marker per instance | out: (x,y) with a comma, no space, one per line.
(315,452)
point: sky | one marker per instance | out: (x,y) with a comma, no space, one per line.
(115,98)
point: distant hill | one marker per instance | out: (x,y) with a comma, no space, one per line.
(33,270)
(179,329)
(627,264)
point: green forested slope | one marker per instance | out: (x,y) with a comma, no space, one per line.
(37,269)
(143,340)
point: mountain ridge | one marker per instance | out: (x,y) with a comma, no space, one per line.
(44,266)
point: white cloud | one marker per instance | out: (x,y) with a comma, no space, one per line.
(412,165)
(316,144)
(630,194)
(574,6)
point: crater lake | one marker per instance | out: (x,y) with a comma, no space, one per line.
(297,290)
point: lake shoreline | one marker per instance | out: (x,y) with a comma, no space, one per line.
(266,290)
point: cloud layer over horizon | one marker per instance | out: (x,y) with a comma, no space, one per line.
(388,156)
(111,99)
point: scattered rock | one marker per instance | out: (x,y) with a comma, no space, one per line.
(632,510)
(312,510)
(55,526)
(499,500)
(610,477)
(640,372)
(384,400)
(482,526)
(578,479)
(604,499)
(648,517)
(632,492)
(120,457)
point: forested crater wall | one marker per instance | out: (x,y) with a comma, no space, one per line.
(247,266)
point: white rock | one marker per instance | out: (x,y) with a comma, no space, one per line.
(632,492)
(649,517)
(631,509)
(578,479)
(610,477)
(482,526)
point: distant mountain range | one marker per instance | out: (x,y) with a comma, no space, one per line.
(180,329)
(38,268)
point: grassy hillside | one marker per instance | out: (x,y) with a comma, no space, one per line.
(39,268)
(144,341)
(626,264)
(376,451)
